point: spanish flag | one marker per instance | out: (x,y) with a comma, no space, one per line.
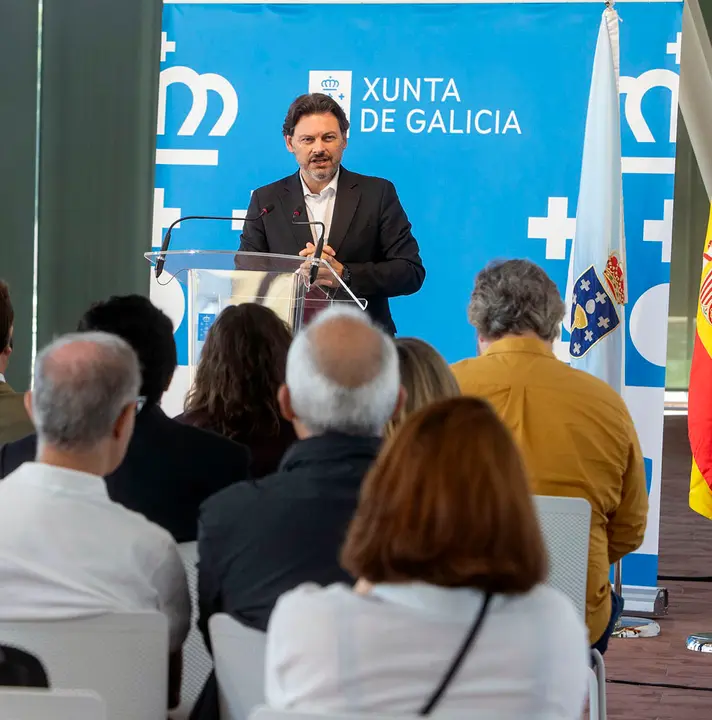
(699,405)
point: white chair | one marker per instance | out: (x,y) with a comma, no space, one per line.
(25,704)
(197,663)
(121,656)
(599,672)
(239,654)
(566,524)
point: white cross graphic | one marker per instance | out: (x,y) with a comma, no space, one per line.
(577,349)
(162,216)
(556,228)
(585,285)
(588,335)
(238,224)
(661,231)
(674,48)
(167,46)
(603,322)
(601,298)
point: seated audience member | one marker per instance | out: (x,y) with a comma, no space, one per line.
(169,468)
(241,368)
(258,540)
(425,377)
(14,421)
(574,430)
(447,548)
(67,550)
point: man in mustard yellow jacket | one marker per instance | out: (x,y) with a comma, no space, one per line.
(574,430)
(14,421)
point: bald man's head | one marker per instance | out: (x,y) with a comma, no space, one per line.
(82,382)
(342,375)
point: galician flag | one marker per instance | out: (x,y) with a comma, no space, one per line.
(699,404)
(596,286)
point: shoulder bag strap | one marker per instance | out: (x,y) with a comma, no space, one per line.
(457,660)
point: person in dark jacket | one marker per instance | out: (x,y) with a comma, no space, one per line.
(342,388)
(169,468)
(234,394)
(259,540)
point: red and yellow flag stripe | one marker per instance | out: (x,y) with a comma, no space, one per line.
(699,405)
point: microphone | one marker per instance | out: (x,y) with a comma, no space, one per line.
(167,237)
(314,270)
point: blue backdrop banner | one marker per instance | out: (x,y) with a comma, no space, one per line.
(475,111)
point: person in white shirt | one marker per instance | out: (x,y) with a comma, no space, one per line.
(67,550)
(450,611)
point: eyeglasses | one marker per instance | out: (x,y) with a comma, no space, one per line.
(140,402)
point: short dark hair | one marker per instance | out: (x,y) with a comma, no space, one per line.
(313,104)
(448,503)
(7,315)
(148,330)
(241,368)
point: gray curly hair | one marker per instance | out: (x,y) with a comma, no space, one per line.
(514,297)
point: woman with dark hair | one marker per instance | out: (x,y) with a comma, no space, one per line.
(234,394)
(450,610)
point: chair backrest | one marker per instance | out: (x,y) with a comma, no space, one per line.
(197,663)
(239,654)
(18,704)
(565,524)
(121,656)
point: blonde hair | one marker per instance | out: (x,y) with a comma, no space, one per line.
(425,376)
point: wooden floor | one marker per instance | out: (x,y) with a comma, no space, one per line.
(685,550)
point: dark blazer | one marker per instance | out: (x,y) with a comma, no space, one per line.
(257,540)
(370,233)
(266,450)
(168,471)
(14,422)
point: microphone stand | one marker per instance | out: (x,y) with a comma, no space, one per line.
(167,237)
(319,249)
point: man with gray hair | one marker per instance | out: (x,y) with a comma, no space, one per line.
(574,430)
(258,540)
(67,550)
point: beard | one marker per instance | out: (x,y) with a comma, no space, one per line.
(321,173)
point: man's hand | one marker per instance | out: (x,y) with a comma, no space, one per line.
(324,278)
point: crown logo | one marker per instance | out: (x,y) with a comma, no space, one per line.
(330,83)
(199,86)
(635,88)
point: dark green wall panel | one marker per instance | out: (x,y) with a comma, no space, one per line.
(100,64)
(18,90)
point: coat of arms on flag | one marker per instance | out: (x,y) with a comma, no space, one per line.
(593,313)
(614,273)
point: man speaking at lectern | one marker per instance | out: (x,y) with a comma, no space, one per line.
(368,241)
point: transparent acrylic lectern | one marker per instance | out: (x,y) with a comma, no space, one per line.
(216,279)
